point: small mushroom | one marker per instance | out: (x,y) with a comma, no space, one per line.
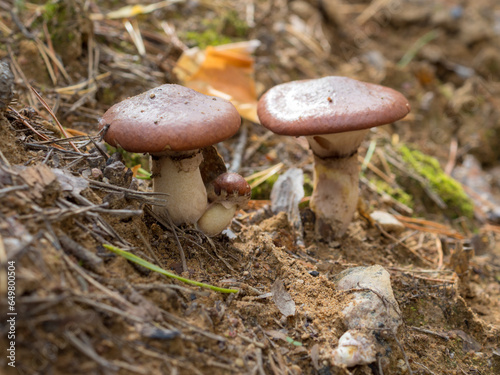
(172,123)
(226,194)
(334,113)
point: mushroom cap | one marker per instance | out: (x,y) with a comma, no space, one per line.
(229,187)
(329,105)
(169,118)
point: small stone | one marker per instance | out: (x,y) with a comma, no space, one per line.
(118,174)
(402,366)
(314,273)
(494,215)
(355,348)
(96,174)
(387,221)
(295,370)
(303,9)
(371,307)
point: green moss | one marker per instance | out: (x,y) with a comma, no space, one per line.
(219,31)
(58,13)
(308,186)
(107,95)
(51,10)
(450,191)
(397,193)
(263,191)
(412,315)
(209,37)
(234,26)
(65,24)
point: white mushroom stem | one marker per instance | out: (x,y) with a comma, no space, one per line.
(178,175)
(336,181)
(226,193)
(216,218)
(335,194)
(337,144)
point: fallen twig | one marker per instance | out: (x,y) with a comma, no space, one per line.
(429,226)
(88,258)
(86,349)
(61,128)
(239,149)
(440,335)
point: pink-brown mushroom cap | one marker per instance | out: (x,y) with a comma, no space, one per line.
(329,105)
(169,118)
(229,187)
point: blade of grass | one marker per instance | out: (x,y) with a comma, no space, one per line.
(258,178)
(417,46)
(133,30)
(369,155)
(134,258)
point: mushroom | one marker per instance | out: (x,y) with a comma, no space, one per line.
(226,194)
(172,123)
(334,113)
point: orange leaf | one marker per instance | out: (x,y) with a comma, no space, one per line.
(226,71)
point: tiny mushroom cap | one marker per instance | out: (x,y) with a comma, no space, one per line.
(172,122)
(227,193)
(230,187)
(334,113)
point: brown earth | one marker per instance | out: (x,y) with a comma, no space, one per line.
(82,309)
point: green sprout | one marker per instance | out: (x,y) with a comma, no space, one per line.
(143,174)
(292,341)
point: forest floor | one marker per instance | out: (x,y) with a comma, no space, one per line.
(82,309)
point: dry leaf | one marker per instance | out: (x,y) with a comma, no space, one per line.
(277,335)
(212,165)
(43,183)
(469,343)
(70,183)
(315,356)
(282,299)
(225,71)
(286,195)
